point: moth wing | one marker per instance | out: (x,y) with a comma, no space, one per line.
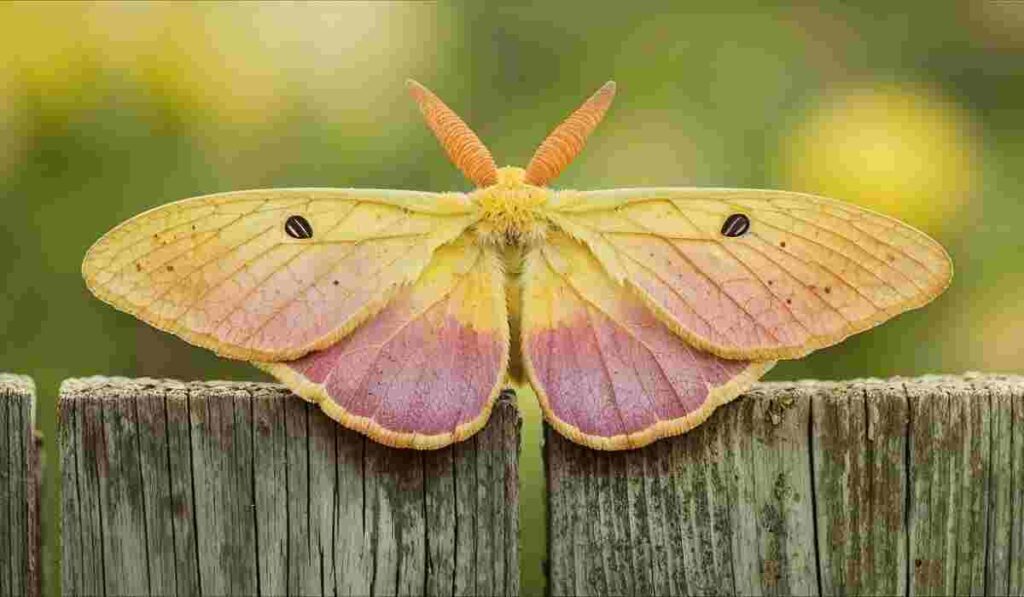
(808,272)
(425,371)
(609,374)
(222,271)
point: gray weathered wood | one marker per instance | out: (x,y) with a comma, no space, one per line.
(723,509)
(894,487)
(858,434)
(19,488)
(242,488)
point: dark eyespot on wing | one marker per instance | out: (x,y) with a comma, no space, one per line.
(298,227)
(735,225)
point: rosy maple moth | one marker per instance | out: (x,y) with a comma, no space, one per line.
(633,313)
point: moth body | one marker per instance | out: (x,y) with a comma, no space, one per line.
(511,210)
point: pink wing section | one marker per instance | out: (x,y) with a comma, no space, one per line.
(609,374)
(424,372)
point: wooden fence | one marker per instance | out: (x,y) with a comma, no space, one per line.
(902,486)
(899,487)
(228,488)
(20,477)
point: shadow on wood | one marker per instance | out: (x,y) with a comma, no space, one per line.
(20,476)
(895,487)
(242,488)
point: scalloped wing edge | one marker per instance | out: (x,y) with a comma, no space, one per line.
(315,393)
(717,396)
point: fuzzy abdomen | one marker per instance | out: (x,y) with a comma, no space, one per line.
(513,263)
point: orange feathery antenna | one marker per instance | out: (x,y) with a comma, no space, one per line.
(463,147)
(565,142)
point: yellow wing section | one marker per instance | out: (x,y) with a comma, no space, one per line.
(271,274)
(800,273)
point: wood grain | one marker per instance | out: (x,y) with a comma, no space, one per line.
(866,487)
(176,488)
(20,476)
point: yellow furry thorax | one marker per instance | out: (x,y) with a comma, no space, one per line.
(510,210)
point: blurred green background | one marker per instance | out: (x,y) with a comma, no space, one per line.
(108,109)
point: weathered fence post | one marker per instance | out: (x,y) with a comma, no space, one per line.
(20,476)
(242,488)
(889,487)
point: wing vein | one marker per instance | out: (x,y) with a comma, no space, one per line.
(242,300)
(171,286)
(722,292)
(216,234)
(294,298)
(828,248)
(749,270)
(136,228)
(830,270)
(906,232)
(782,268)
(875,258)
(607,373)
(232,249)
(672,288)
(909,235)
(572,286)
(312,285)
(459,278)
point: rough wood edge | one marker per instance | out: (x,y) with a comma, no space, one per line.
(74,386)
(971,379)
(21,384)
(24,386)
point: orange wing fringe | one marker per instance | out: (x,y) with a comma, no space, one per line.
(565,142)
(463,147)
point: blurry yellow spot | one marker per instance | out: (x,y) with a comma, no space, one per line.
(989,334)
(230,72)
(225,63)
(905,151)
